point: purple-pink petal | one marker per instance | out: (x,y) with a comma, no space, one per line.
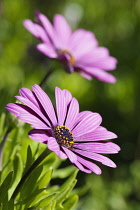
(34,108)
(100,74)
(47,50)
(61,105)
(88,164)
(98,134)
(97,157)
(62,30)
(68,96)
(54,146)
(27,93)
(72,113)
(89,123)
(46,25)
(105,147)
(39,135)
(26,114)
(82,42)
(46,103)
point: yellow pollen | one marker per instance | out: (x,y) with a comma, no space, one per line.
(64,136)
(72,59)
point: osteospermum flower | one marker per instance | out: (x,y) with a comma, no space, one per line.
(68,132)
(78,50)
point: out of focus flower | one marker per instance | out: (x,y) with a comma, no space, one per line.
(78,50)
(68,132)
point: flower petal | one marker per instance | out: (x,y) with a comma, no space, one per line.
(36,30)
(97,157)
(68,96)
(34,108)
(46,103)
(99,74)
(73,159)
(105,147)
(47,50)
(100,133)
(54,146)
(72,113)
(26,114)
(39,135)
(63,31)
(46,24)
(61,105)
(89,123)
(81,42)
(92,166)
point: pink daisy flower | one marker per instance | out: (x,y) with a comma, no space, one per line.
(78,50)
(66,131)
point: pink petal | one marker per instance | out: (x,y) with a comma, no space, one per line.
(36,30)
(62,30)
(30,26)
(92,166)
(27,93)
(61,105)
(46,24)
(72,113)
(97,157)
(105,147)
(26,114)
(87,124)
(108,63)
(100,74)
(81,116)
(46,103)
(70,155)
(82,42)
(54,146)
(68,96)
(47,50)
(73,159)
(34,108)
(39,135)
(99,134)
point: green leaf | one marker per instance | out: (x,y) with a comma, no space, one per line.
(70,202)
(17,172)
(29,185)
(2,121)
(45,179)
(65,189)
(46,201)
(64,172)
(8,205)
(28,199)
(5,186)
(29,158)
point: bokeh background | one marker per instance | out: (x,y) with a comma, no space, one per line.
(116,25)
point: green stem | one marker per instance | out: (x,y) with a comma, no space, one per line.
(43,82)
(29,171)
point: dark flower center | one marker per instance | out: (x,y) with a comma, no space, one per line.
(64,136)
(71,59)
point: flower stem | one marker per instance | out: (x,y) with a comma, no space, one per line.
(29,171)
(3,144)
(49,72)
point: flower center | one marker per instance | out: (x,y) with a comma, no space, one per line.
(64,136)
(71,59)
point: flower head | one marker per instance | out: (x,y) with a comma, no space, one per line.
(78,50)
(68,132)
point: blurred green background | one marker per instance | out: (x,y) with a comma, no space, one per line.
(116,25)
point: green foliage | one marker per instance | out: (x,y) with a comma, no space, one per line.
(37,192)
